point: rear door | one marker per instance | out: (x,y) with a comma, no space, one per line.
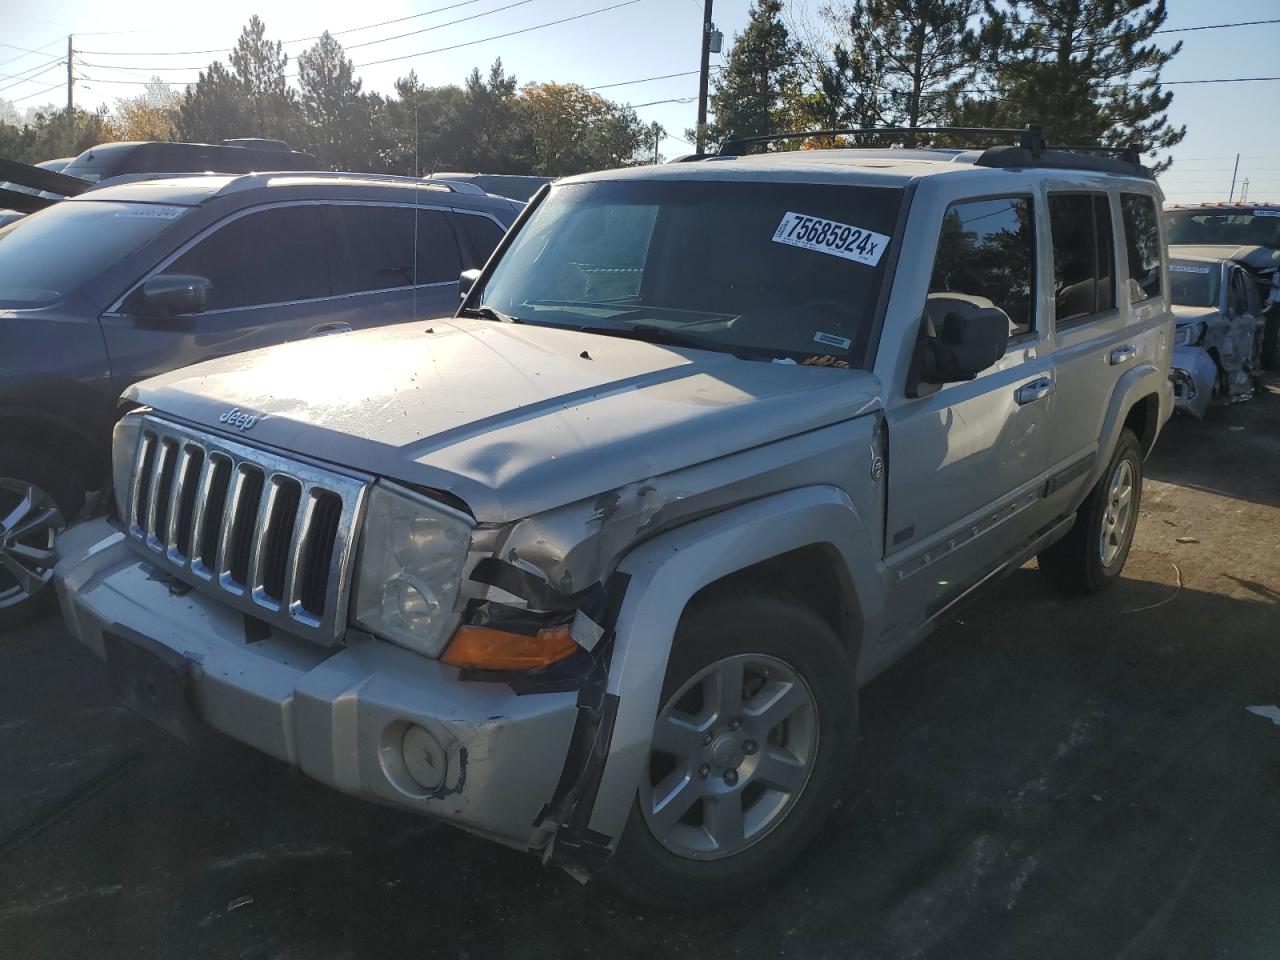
(269,284)
(1108,274)
(391,264)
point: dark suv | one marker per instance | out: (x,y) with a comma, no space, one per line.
(128,281)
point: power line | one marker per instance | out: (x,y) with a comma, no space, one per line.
(37,93)
(32,73)
(499,36)
(332,33)
(437,26)
(627,83)
(28,52)
(1217,26)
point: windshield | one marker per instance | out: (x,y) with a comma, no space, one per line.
(48,254)
(1193,284)
(763,270)
(1239,228)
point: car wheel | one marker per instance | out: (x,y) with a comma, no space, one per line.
(38,496)
(1271,342)
(1092,555)
(752,742)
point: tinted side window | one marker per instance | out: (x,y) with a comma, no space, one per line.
(271,256)
(371,247)
(987,253)
(1083,255)
(438,260)
(1142,241)
(480,236)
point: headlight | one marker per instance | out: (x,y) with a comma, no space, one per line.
(124,449)
(412,553)
(1189,334)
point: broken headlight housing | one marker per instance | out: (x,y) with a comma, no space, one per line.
(124,449)
(1189,334)
(412,554)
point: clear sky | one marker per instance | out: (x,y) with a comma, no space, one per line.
(121,44)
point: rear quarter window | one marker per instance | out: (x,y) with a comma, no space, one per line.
(1142,244)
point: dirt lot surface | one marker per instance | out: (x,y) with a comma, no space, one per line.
(1042,779)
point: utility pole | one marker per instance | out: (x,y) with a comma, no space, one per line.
(1233,179)
(1244,190)
(70,78)
(703,77)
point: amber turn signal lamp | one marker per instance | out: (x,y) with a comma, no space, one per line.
(483,648)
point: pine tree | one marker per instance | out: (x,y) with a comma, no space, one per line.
(258,64)
(213,109)
(756,91)
(337,115)
(1086,69)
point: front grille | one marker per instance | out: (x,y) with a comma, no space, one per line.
(274,537)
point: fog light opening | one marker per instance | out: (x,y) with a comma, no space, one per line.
(424,758)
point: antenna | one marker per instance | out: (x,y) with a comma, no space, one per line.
(417,213)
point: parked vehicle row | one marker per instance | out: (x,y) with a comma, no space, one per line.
(126,281)
(597,567)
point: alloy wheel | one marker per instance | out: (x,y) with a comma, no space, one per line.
(733,749)
(29,522)
(1116,513)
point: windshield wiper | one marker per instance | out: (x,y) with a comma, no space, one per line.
(677,338)
(491,313)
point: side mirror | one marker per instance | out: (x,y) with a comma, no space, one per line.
(171,295)
(466,280)
(968,342)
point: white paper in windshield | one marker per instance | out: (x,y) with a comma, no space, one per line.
(153,211)
(831,237)
(1266,213)
(1186,268)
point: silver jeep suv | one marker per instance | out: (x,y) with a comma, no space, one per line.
(597,568)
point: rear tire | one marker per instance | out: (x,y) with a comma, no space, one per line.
(39,495)
(1092,554)
(1271,341)
(761,790)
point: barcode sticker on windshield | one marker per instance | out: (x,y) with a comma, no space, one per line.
(151,211)
(829,236)
(1185,268)
(1266,213)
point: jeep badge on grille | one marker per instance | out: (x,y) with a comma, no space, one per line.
(236,417)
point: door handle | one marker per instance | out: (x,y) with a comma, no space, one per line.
(327,328)
(1033,391)
(1122,355)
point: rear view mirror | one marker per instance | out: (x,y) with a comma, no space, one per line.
(171,295)
(965,343)
(466,280)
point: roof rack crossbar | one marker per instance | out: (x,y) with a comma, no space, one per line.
(1030,137)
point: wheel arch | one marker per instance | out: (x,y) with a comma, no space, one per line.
(1142,401)
(59,437)
(810,525)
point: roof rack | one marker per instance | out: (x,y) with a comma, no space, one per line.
(1032,149)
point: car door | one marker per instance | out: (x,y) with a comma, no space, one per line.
(391,264)
(966,462)
(266,267)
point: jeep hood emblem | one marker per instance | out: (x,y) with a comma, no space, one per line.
(235,417)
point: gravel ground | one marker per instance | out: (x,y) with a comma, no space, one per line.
(1043,778)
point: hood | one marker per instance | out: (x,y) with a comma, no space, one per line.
(513,419)
(1254,257)
(1184,314)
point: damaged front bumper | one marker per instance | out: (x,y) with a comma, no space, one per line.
(370,719)
(1193,374)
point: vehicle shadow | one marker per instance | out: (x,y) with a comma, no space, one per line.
(1063,778)
(1194,453)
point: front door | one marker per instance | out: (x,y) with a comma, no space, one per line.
(269,283)
(966,463)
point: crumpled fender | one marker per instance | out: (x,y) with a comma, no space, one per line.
(1199,366)
(667,571)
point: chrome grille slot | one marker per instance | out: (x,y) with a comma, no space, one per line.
(274,537)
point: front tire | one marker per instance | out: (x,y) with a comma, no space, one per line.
(39,495)
(755,731)
(1092,554)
